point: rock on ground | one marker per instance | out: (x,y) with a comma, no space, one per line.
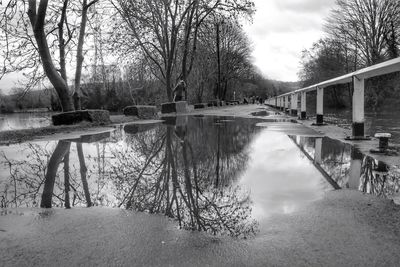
(74,117)
(142,112)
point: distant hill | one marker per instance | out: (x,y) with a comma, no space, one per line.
(284,87)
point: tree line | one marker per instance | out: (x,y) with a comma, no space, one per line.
(359,33)
(109,54)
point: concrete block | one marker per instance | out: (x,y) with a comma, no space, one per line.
(213,103)
(74,117)
(176,120)
(142,112)
(171,107)
(200,105)
(137,128)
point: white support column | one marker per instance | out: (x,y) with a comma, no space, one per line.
(303,105)
(320,106)
(293,104)
(287,103)
(355,169)
(358,108)
(318,150)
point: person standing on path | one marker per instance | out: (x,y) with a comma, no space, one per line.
(178,91)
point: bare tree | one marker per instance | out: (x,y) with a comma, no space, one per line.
(367,24)
(161,29)
(51,29)
(37,18)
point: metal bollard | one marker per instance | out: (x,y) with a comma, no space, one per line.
(383,143)
(383,140)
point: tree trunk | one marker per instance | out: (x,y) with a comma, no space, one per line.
(56,158)
(218,64)
(61,41)
(66,181)
(83,171)
(169,88)
(79,54)
(37,21)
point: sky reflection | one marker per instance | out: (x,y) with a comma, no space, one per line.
(281,179)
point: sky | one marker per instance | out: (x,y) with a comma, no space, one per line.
(281,30)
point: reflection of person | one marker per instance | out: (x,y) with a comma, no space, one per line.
(178,91)
(180,132)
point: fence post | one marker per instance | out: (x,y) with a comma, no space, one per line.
(293,104)
(320,106)
(303,108)
(287,107)
(358,108)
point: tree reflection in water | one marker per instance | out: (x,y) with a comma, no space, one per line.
(39,181)
(378,179)
(188,175)
(186,170)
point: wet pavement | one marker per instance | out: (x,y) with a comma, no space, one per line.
(253,186)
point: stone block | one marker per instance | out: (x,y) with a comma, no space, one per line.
(137,128)
(74,117)
(175,120)
(181,107)
(171,107)
(213,103)
(142,112)
(200,105)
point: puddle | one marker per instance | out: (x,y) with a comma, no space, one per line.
(349,168)
(223,175)
(262,113)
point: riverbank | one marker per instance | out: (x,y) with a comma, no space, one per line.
(63,132)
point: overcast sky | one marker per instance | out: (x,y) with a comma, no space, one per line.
(281,29)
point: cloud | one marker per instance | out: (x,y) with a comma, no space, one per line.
(281,29)
(9,81)
(305,6)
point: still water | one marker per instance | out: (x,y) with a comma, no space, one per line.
(388,122)
(17,121)
(220,175)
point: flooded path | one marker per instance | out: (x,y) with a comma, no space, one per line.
(286,194)
(222,175)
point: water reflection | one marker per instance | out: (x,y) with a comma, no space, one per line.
(349,168)
(374,122)
(186,175)
(216,174)
(17,121)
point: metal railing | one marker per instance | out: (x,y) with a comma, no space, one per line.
(357,78)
